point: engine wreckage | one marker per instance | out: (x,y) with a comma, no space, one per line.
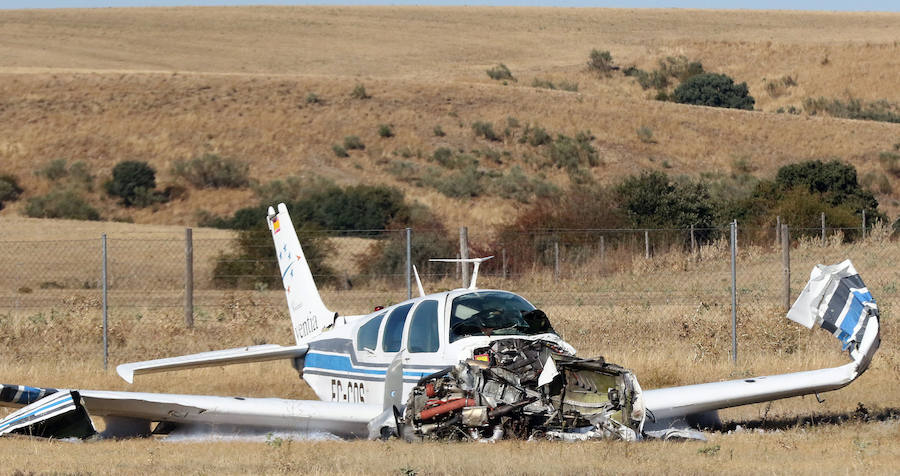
(525,389)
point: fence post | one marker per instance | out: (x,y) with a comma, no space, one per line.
(104,283)
(734,291)
(693,243)
(464,253)
(646,243)
(556,260)
(602,251)
(408,263)
(823,228)
(777,231)
(786,264)
(189,278)
(864,224)
(503,254)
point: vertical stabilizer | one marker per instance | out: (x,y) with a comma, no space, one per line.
(309,316)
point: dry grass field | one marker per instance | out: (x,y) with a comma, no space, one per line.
(162,85)
(165,84)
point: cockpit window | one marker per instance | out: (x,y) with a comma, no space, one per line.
(486,313)
(423,328)
(367,337)
(393,329)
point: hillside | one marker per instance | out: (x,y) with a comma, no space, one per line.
(168,84)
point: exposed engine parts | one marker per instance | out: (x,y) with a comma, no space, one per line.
(525,389)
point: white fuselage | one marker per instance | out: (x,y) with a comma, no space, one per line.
(349,364)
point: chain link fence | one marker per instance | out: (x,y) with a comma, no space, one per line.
(572,271)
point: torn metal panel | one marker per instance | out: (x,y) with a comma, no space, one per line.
(60,414)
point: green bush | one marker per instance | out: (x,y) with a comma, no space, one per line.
(339,150)
(459,184)
(53,170)
(572,153)
(715,90)
(385,130)
(359,92)
(62,203)
(353,143)
(128,177)
(652,200)
(439,131)
(680,68)
(834,181)
(313,98)
(600,62)
(9,189)
(213,171)
(500,72)
(387,258)
(486,130)
(535,136)
(255,266)
(327,206)
(877,181)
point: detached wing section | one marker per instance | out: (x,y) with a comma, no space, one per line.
(241,355)
(220,414)
(836,299)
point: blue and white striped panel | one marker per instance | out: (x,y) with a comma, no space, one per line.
(23,394)
(44,409)
(849,309)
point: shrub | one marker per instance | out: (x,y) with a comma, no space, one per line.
(486,130)
(651,200)
(325,205)
(439,131)
(353,143)
(313,98)
(716,90)
(571,153)
(339,150)
(535,136)
(854,108)
(890,161)
(80,176)
(359,92)
(601,62)
(385,130)
(252,265)
(680,68)
(645,134)
(128,176)
(9,189)
(877,181)
(777,87)
(500,72)
(213,171)
(461,184)
(834,181)
(63,203)
(542,83)
(53,170)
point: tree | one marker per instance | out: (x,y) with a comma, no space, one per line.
(131,180)
(651,200)
(716,90)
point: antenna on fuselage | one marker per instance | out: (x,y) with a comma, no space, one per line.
(419,282)
(475,261)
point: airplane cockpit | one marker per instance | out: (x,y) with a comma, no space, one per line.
(490,313)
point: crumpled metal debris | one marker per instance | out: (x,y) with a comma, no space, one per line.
(525,389)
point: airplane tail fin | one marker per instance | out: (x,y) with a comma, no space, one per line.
(309,316)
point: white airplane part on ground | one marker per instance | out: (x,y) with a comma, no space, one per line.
(464,361)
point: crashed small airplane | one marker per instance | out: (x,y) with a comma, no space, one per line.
(474,364)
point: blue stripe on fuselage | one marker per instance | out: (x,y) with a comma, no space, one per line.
(341,363)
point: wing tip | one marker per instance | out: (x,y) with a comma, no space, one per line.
(126,372)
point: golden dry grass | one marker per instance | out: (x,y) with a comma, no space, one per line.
(101,86)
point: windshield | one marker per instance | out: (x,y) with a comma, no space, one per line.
(486,313)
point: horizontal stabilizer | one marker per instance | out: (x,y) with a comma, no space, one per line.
(57,415)
(241,355)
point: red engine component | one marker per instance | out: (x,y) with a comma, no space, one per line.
(451,405)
